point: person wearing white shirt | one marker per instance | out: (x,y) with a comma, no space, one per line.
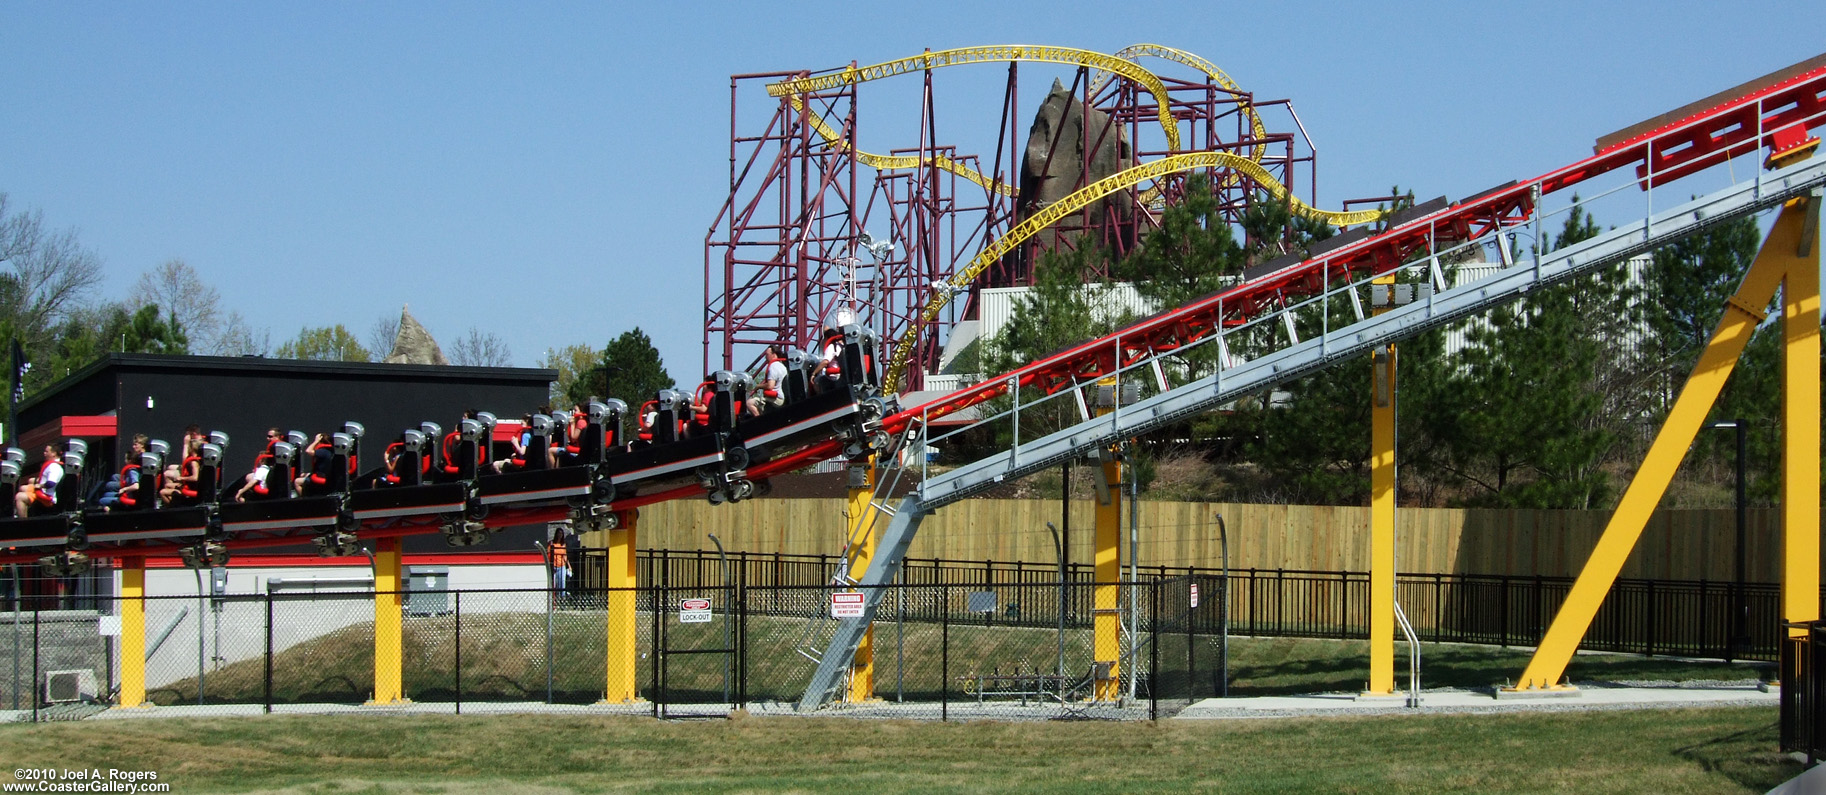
(771,394)
(40,490)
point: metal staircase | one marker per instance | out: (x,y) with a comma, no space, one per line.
(820,626)
(1446,304)
(834,664)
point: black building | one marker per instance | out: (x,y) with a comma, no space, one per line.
(110,401)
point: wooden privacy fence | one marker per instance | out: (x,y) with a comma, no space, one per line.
(1677,545)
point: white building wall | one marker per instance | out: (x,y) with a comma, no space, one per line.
(235,630)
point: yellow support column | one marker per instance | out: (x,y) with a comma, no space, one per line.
(389,642)
(1106,646)
(1801,425)
(862,535)
(1743,311)
(133,632)
(624,639)
(1382,524)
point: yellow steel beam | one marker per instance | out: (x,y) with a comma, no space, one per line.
(623,640)
(1801,424)
(862,515)
(389,642)
(1382,522)
(1106,619)
(133,632)
(1743,312)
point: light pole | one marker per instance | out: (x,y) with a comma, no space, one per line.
(1739,642)
(17,645)
(1223,613)
(728,603)
(551,595)
(1059,549)
(199,576)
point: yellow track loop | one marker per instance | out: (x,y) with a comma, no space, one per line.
(1151,197)
(992,54)
(1078,200)
(896,162)
(1184,58)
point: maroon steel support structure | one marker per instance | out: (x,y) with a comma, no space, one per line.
(782,253)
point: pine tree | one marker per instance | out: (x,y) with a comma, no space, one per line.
(629,368)
(1528,426)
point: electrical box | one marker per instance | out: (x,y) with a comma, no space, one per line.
(1385,295)
(427,590)
(64,687)
(980,601)
(1106,394)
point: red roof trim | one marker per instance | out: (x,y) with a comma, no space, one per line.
(313,561)
(82,427)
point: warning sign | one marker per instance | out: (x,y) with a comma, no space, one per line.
(846,605)
(1194,594)
(693,611)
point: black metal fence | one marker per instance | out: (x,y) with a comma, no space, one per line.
(1686,618)
(951,639)
(1803,697)
(939,651)
(1692,618)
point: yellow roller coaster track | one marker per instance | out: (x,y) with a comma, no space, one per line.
(991,54)
(794,91)
(1179,56)
(1084,196)
(896,162)
(1217,76)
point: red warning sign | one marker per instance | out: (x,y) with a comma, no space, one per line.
(846,605)
(693,611)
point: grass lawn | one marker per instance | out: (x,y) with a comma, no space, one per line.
(1696,750)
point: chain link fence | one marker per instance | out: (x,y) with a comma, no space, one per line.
(1007,651)
(1697,618)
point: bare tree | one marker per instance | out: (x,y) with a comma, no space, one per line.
(573,363)
(237,337)
(48,275)
(325,344)
(183,296)
(480,349)
(382,335)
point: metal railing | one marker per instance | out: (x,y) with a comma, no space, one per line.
(1803,722)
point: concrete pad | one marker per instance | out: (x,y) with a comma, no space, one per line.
(1592,696)
(1504,694)
(1809,781)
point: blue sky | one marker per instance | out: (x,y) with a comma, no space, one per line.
(546,171)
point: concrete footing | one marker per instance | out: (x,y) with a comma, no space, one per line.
(1503,694)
